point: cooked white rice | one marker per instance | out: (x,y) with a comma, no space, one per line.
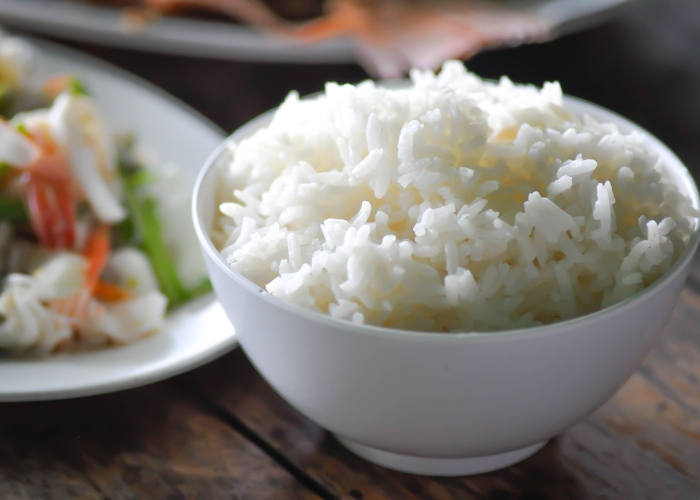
(453,205)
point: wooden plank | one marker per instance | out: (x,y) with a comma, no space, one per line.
(28,478)
(233,383)
(153,442)
(589,461)
(644,441)
(659,407)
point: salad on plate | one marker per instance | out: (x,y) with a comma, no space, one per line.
(93,251)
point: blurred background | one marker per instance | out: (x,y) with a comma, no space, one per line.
(639,59)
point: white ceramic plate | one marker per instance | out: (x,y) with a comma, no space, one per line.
(105,25)
(194,334)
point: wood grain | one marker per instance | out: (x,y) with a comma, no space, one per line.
(149,443)
(235,385)
(659,407)
(644,441)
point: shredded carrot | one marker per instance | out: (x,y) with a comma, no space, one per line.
(108,292)
(97,252)
(50,196)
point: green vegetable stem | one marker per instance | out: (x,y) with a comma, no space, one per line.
(12,210)
(143,215)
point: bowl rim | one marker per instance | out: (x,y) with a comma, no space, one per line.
(582,107)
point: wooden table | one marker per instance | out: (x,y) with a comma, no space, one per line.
(221,432)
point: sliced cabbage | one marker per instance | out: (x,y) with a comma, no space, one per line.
(18,62)
(61,276)
(15,149)
(126,321)
(28,323)
(130,269)
(79,129)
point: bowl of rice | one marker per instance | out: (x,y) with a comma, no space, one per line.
(446,273)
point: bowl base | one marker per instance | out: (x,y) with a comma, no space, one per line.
(428,466)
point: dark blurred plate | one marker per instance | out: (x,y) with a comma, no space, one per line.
(227,40)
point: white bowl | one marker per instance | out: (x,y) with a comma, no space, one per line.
(441,404)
